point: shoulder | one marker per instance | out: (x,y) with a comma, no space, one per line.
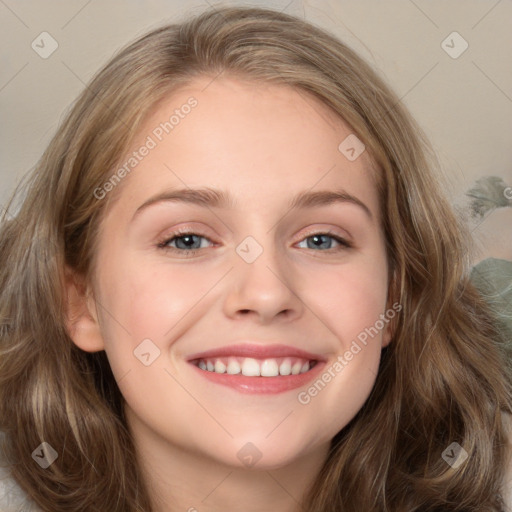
(507,479)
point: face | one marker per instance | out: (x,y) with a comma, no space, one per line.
(295,290)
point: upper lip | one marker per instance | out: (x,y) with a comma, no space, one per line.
(256,351)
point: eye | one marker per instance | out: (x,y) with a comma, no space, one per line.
(189,243)
(186,242)
(321,240)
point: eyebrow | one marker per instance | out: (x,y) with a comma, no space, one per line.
(213,198)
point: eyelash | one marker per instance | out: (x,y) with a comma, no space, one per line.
(162,244)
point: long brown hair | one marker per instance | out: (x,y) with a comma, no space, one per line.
(444,377)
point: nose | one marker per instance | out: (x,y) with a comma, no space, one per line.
(264,289)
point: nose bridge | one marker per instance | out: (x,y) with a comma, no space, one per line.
(262,282)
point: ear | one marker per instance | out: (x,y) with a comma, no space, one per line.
(81,314)
(393,308)
(388,334)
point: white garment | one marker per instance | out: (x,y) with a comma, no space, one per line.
(12,497)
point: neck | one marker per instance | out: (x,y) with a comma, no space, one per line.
(181,480)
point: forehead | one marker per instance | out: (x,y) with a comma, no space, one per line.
(260,141)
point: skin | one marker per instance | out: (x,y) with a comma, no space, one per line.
(263,144)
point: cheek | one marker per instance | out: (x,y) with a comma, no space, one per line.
(138,304)
(153,302)
(144,309)
(347,299)
(350,303)
(147,301)
(158,303)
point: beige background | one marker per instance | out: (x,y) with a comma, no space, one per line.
(463,104)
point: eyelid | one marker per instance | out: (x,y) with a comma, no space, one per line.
(185,230)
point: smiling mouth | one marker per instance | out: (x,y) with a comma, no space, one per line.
(251,367)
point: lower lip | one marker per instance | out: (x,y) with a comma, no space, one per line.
(262,385)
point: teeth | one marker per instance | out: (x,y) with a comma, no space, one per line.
(220,367)
(234,367)
(269,368)
(286,367)
(296,368)
(251,367)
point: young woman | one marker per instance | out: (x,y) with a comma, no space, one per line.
(233,283)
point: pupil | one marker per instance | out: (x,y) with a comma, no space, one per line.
(187,239)
(317,240)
